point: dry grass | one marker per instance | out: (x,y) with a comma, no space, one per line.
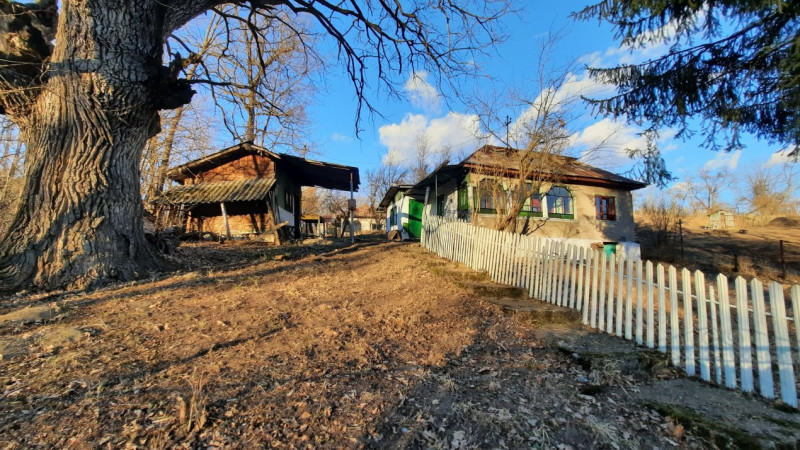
(326,348)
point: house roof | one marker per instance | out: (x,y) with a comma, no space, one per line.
(306,172)
(388,198)
(566,169)
(219,192)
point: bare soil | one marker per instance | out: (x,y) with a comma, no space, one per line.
(747,250)
(315,346)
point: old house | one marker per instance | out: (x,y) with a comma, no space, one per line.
(567,198)
(246,189)
(403,213)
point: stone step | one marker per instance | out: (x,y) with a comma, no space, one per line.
(489,289)
(537,312)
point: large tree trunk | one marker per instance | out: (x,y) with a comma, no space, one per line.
(79,222)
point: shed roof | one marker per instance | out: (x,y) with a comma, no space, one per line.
(306,172)
(388,198)
(219,192)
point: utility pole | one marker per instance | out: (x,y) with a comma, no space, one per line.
(351,206)
(508,138)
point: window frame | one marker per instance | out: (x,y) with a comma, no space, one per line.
(527,208)
(609,213)
(551,205)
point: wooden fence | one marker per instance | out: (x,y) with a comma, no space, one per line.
(734,334)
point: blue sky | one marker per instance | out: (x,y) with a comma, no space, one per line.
(448,122)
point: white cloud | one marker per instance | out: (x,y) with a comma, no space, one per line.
(779,158)
(422,94)
(338,137)
(723,160)
(458,132)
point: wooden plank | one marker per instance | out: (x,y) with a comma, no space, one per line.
(675,324)
(601,313)
(579,280)
(559,273)
(587,268)
(783,346)
(640,296)
(620,298)
(688,322)
(712,303)
(629,300)
(595,277)
(745,349)
(702,325)
(225,220)
(575,280)
(726,332)
(761,337)
(650,307)
(612,275)
(662,309)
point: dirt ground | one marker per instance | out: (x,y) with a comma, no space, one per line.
(748,250)
(318,346)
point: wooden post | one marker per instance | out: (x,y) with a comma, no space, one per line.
(783,259)
(225,219)
(680,228)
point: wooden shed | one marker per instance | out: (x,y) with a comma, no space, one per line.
(720,220)
(246,189)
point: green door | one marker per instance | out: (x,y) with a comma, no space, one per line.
(414,226)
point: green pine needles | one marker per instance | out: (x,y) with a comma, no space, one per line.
(733,64)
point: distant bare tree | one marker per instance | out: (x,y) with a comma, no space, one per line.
(335,204)
(420,165)
(706,188)
(662,213)
(378,182)
(771,191)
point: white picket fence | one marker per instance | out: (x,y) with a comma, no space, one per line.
(659,306)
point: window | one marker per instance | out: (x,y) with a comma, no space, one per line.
(486,193)
(463,198)
(393,216)
(605,207)
(533,204)
(559,203)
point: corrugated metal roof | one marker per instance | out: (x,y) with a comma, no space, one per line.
(307,172)
(224,191)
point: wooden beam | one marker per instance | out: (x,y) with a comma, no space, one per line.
(225,219)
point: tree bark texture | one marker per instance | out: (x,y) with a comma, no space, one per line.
(79,222)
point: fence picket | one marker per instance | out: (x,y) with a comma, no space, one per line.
(639,302)
(579,280)
(795,294)
(559,273)
(587,263)
(702,325)
(662,310)
(782,344)
(726,332)
(712,303)
(620,301)
(745,350)
(675,326)
(650,307)
(612,274)
(629,300)
(595,279)
(761,336)
(573,292)
(688,322)
(601,306)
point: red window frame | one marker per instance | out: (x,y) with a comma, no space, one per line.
(605,207)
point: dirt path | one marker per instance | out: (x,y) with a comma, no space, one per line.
(359,347)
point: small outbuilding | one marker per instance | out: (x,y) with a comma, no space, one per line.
(720,220)
(248,190)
